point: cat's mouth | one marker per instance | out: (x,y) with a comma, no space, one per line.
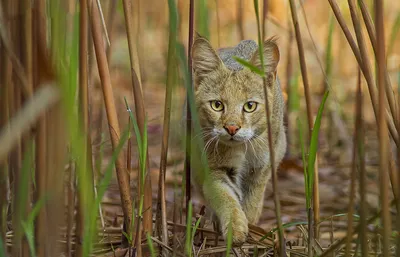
(233,141)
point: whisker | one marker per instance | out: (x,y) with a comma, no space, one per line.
(207,145)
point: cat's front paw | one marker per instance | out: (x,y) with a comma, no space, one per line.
(240,227)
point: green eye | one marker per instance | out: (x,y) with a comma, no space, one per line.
(250,106)
(217,105)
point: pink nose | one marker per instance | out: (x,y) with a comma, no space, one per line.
(231,129)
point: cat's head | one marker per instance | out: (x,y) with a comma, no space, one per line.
(231,104)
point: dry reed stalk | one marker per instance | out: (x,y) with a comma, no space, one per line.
(175,221)
(264,20)
(27,48)
(282,248)
(112,8)
(19,248)
(122,175)
(394,178)
(218,23)
(129,167)
(84,124)
(353,175)
(5,78)
(39,35)
(70,209)
(26,56)
(372,36)
(313,228)
(239,10)
(56,146)
(360,56)
(189,114)
(303,65)
(289,73)
(140,115)
(382,129)
(398,177)
(171,79)
(362,227)
(11,157)
(361,42)
(388,87)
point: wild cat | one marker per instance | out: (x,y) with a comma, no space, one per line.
(231,108)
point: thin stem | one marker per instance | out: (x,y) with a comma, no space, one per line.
(140,115)
(84,122)
(307,93)
(239,10)
(353,175)
(39,35)
(122,175)
(383,134)
(266,83)
(188,112)
(171,77)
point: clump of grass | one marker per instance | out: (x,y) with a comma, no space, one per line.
(309,158)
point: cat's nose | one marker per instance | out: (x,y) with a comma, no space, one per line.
(232,129)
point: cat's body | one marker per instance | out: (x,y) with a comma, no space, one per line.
(230,103)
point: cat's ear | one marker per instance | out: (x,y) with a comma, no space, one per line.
(205,58)
(271,56)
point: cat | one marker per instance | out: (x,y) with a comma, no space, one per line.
(231,109)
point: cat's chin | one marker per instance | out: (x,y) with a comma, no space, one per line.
(232,142)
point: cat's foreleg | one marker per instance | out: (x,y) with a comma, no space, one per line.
(253,195)
(224,198)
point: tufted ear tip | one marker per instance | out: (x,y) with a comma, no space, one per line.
(271,46)
(271,56)
(197,35)
(204,58)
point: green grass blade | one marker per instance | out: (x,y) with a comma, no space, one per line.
(202,18)
(173,16)
(260,41)
(255,254)
(314,143)
(151,246)
(188,242)
(328,56)
(196,226)
(303,154)
(102,187)
(28,225)
(294,99)
(394,33)
(135,127)
(249,65)
(2,250)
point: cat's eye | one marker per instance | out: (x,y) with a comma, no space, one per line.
(216,105)
(250,106)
